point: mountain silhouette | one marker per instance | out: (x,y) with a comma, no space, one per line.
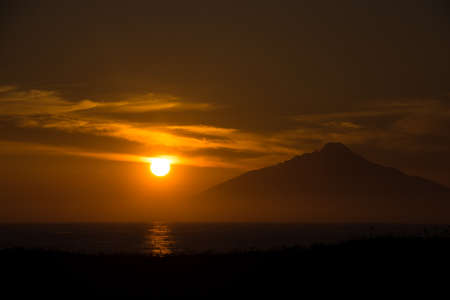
(330,185)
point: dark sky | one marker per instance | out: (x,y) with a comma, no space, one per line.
(90,88)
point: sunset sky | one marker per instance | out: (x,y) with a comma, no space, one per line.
(91,90)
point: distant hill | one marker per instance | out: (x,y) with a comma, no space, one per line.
(330,185)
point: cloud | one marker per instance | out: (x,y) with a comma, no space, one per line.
(342,125)
(394,124)
(194,144)
(41,102)
(151,102)
(180,140)
(36,102)
(6,88)
(381,109)
(8,147)
(387,124)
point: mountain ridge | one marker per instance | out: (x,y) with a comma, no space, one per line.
(331,184)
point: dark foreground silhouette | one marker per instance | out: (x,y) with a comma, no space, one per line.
(382,267)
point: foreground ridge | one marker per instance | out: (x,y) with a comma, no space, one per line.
(378,265)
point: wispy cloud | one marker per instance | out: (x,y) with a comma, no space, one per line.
(390,124)
(48,110)
(152,102)
(6,88)
(386,123)
(7,147)
(380,109)
(34,102)
(179,140)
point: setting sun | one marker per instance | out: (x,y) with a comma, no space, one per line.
(160,166)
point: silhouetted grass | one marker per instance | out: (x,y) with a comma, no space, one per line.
(388,266)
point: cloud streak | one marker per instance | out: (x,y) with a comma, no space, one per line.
(394,124)
(39,102)
(387,124)
(48,110)
(35,102)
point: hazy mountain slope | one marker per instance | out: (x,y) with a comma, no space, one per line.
(330,185)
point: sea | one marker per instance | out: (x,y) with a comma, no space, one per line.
(161,238)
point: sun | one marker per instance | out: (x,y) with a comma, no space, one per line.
(160,166)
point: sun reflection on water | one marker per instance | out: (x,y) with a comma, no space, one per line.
(159,240)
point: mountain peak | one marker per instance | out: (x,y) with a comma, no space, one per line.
(335,148)
(333,184)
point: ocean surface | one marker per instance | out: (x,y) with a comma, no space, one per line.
(161,238)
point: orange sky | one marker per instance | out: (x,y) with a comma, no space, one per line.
(89,92)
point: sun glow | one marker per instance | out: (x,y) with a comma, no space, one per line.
(160,166)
